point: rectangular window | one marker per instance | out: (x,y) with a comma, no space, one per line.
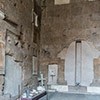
(60,2)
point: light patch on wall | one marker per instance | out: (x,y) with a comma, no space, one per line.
(36,19)
(59,2)
(91,0)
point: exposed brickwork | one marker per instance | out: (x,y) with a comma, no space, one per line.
(63,24)
(19,26)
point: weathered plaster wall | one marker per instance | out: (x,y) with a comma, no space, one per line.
(13,77)
(19,40)
(63,24)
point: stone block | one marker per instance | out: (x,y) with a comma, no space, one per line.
(97,68)
(1,80)
(5,97)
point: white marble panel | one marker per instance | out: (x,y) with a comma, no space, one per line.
(70,65)
(89,52)
(52,74)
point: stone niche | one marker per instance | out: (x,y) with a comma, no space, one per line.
(52,74)
(55,72)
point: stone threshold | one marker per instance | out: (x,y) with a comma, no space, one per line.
(75,89)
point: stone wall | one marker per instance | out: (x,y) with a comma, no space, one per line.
(63,24)
(17,28)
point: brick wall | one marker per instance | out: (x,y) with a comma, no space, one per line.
(18,24)
(63,24)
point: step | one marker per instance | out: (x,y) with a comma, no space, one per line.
(74,89)
(72,96)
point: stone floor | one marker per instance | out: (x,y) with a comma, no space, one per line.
(5,97)
(71,96)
